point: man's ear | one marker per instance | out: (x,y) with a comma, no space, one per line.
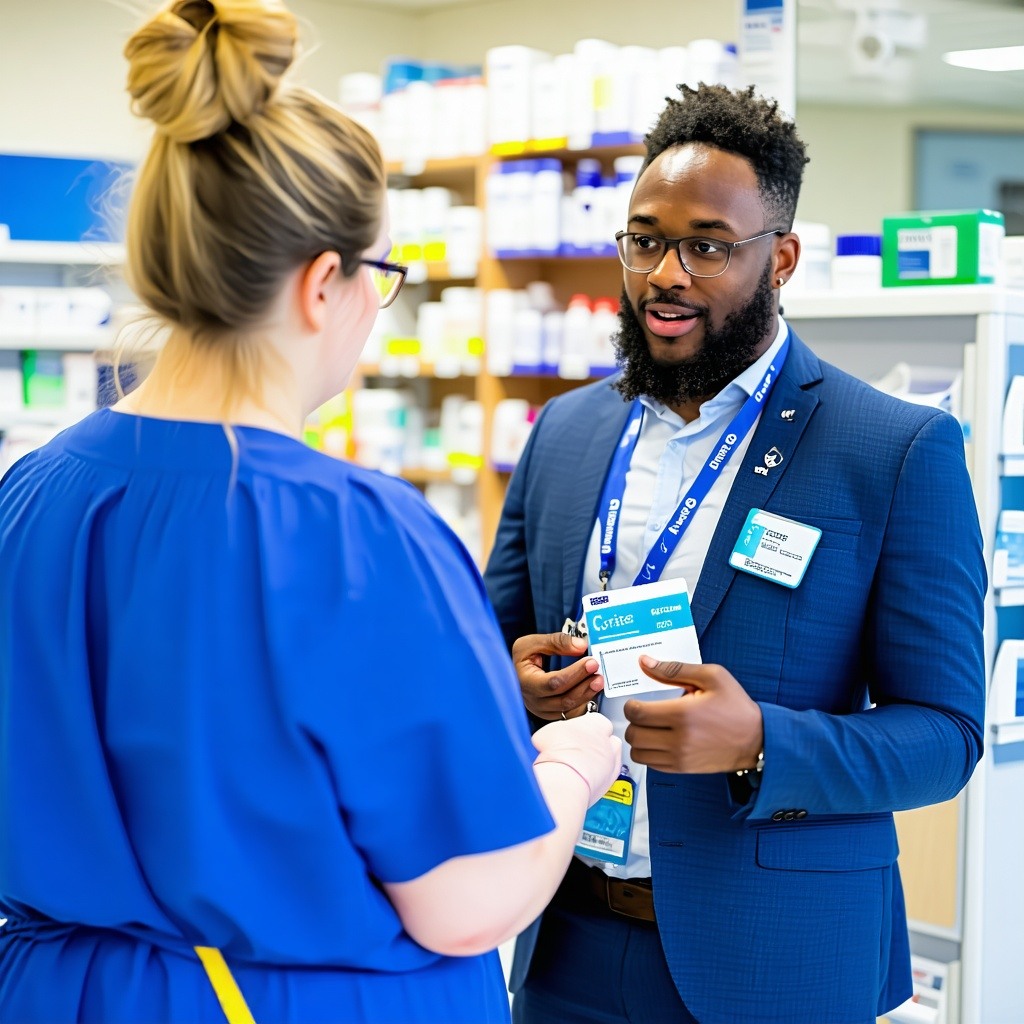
(313,288)
(787,255)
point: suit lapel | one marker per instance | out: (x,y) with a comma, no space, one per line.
(779,430)
(610,416)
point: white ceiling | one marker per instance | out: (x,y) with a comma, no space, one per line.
(829,71)
(424,5)
(827,67)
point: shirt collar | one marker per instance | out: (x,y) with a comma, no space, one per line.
(734,394)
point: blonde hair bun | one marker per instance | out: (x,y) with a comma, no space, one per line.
(199,65)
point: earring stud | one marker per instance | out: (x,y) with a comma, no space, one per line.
(780,281)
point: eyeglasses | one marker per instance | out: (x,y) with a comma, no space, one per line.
(388,279)
(700,257)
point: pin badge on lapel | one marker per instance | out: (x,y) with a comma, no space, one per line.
(788,415)
(772,459)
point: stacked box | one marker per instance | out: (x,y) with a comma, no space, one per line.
(941,247)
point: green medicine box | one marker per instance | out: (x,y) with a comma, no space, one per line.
(43,379)
(941,247)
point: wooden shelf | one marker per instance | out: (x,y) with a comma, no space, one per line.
(555,258)
(567,155)
(456,172)
(427,476)
(407,368)
(420,476)
(443,271)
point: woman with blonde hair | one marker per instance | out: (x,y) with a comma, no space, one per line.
(262,754)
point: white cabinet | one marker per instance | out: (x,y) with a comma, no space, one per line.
(980,328)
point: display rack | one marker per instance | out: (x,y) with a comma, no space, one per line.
(467,177)
(55,265)
(960,860)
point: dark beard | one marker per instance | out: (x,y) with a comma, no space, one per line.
(725,353)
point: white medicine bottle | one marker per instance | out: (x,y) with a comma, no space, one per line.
(857,264)
(577,345)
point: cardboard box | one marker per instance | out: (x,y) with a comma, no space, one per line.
(941,247)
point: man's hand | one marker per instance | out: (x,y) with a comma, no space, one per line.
(713,727)
(555,695)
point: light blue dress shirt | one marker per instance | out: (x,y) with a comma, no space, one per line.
(668,456)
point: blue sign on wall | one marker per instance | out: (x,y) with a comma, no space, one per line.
(965,170)
(57,199)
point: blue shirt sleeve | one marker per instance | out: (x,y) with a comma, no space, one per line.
(422,725)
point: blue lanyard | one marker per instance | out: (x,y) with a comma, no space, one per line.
(615,483)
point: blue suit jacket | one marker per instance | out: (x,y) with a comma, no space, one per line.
(798,920)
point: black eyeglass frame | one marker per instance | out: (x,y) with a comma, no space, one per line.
(676,243)
(389,268)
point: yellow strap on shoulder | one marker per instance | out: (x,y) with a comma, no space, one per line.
(229,995)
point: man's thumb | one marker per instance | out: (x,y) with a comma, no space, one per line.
(671,673)
(570,646)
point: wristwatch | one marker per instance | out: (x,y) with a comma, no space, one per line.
(759,767)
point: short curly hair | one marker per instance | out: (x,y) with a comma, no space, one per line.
(738,121)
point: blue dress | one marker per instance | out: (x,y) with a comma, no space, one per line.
(237,693)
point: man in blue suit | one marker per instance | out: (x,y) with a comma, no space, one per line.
(758,880)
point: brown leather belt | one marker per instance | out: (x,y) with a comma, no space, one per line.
(631,897)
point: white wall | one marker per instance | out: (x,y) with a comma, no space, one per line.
(62,72)
(862,158)
(62,80)
(462,34)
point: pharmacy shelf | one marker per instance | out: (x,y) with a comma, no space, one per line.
(582,257)
(1008,732)
(101,254)
(421,477)
(937,300)
(407,368)
(457,172)
(57,419)
(426,476)
(532,150)
(599,274)
(968,905)
(80,341)
(420,272)
(442,272)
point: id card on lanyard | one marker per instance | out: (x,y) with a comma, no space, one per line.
(608,824)
(615,483)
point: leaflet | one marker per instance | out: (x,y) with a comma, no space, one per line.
(652,619)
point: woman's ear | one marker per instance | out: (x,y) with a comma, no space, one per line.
(313,285)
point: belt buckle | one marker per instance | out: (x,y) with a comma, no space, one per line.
(621,899)
(617,899)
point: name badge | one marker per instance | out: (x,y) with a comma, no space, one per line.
(609,822)
(774,548)
(653,618)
